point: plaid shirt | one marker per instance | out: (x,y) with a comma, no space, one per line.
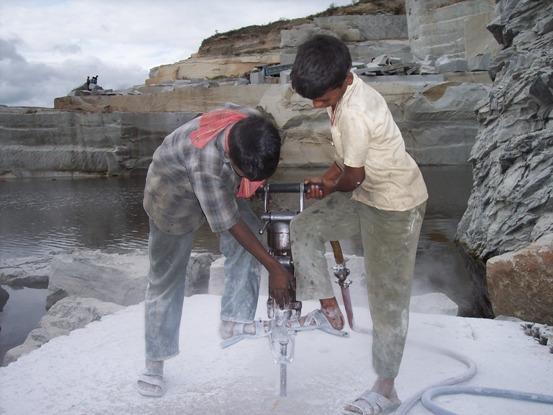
(186,186)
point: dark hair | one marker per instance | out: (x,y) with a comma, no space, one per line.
(322,64)
(254,147)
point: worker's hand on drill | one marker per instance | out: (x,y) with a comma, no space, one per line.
(318,187)
(280,286)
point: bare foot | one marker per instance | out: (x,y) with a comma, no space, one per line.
(332,312)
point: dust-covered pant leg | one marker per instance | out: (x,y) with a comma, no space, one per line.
(242,272)
(169,256)
(390,242)
(330,219)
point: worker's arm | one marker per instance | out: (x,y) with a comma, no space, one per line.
(279,277)
(335,180)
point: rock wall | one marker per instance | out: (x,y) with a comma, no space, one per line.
(169,97)
(438,122)
(451,35)
(212,67)
(436,119)
(511,203)
(117,135)
(452,31)
(43,142)
(367,36)
(237,54)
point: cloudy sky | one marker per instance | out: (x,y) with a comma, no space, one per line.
(49,47)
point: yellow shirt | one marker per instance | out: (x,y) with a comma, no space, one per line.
(365,135)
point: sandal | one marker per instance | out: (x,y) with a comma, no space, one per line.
(238,332)
(371,403)
(151,384)
(316,320)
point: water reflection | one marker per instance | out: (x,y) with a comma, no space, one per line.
(39,216)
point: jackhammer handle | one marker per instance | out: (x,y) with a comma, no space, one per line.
(279,188)
(337,250)
(283,188)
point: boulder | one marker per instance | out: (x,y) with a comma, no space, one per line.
(30,272)
(520,283)
(446,64)
(85,286)
(115,278)
(198,273)
(119,279)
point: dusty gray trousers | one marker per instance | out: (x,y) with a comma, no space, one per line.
(169,256)
(389,241)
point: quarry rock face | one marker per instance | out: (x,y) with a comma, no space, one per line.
(52,143)
(117,135)
(435,28)
(511,201)
(510,205)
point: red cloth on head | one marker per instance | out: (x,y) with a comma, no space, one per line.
(211,124)
(248,187)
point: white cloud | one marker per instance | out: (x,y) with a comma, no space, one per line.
(49,46)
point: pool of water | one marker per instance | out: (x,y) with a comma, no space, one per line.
(40,216)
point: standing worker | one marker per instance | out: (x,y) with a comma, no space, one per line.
(374,189)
